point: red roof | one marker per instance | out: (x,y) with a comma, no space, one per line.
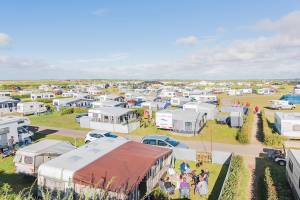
(123,168)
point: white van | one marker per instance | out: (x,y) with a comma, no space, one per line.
(281,105)
(28,159)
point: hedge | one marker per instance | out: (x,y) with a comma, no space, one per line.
(66,111)
(231,184)
(270,137)
(244,133)
(269,187)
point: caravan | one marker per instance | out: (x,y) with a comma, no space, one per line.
(14,127)
(28,159)
(29,108)
(293,171)
(281,104)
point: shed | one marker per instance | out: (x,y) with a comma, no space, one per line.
(236,119)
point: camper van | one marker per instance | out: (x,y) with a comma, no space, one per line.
(281,105)
(14,127)
(293,171)
(29,108)
(28,159)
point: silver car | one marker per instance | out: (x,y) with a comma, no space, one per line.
(164,141)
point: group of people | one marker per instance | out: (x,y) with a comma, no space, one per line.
(187,181)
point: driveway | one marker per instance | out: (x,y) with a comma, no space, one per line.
(252,150)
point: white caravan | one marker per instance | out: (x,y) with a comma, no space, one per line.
(293,171)
(281,105)
(29,108)
(28,159)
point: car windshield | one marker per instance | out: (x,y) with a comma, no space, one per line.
(172,142)
(110,135)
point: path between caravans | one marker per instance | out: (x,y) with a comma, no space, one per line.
(252,150)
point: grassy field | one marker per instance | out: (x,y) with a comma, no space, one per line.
(55,119)
(243,190)
(217,175)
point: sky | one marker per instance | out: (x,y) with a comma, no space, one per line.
(149,39)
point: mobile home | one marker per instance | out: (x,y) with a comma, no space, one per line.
(47,95)
(28,159)
(293,171)
(181,121)
(72,102)
(13,127)
(8,104)
(179,101)
(288,123)
(29,108)
(88,170)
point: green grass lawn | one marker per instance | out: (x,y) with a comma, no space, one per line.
(244,185)
(55,119)
(220,133)
(217,175)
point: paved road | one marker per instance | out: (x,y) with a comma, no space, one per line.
(252,150)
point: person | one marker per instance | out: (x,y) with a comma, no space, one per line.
(184,168)
(11,143)
(206,175)
(202,187)
(195,180)
(170,188)
(184,189)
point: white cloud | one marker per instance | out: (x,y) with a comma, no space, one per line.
(101,12)
(189,40)
(4,39)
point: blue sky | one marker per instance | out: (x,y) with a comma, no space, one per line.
(149,39)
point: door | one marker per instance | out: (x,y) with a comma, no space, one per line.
(3,139)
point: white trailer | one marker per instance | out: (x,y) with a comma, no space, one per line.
(29,108)
(13,127)
(293,171)
(288,124)
(28,159)
(164,119)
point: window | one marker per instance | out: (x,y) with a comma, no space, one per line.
(291,166)
(95,135)
(4,130)
(188,126)
(162,143)
(110,135)
(296,127)
(149,141)
(28,160)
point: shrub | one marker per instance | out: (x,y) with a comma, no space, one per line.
(45,100)
(270,137)
(244,133)
(24,96)
(80,110)
(270,190)
(66,111)
(231,184)
(159,194)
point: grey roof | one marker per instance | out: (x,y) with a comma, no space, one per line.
(184,115)
(47,146)
(7,99)
(289,115)
(202,105)
(108,103)
(111,111)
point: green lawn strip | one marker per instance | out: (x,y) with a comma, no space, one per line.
(278,177)
(57,120)
(217,175)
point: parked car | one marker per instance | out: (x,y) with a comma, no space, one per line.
(97,134)
(164,141)
(77,118)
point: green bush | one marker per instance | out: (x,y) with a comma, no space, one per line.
(45,100)
(159,194)
(231,184)
(24,96)
(80,110)
(244,133)
(270,190)
(66,111)
(270,137)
